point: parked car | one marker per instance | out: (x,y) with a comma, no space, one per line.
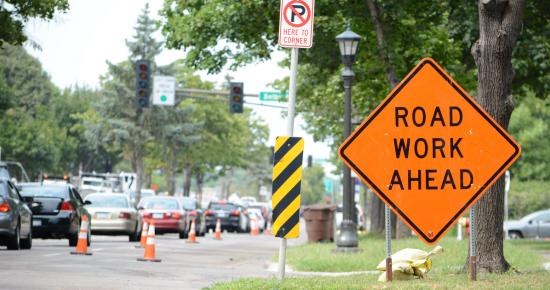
(58,211)
(232,216)
(166,212)
(258,215)
(15,217)
(144,193)
(265,210)
(114,214)
(193,212)
(536,224)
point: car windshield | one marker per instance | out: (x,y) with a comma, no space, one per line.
(4,173)
(159,203)
(45,191)
(107,201)
(189,204)
(92,182)
(223,206)
(3,191)
(143,194)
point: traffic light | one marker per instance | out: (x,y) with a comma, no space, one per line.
(143,83)
(236,97)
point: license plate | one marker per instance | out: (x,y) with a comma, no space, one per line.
(102,215)
(222,214)
(36,223)
(158,215)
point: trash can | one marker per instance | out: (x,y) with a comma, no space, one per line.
(319,223)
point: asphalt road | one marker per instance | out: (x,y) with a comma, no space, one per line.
(113,264)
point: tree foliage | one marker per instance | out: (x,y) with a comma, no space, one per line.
(15,13)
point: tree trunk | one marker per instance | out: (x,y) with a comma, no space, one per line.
(376,214)
(199,178)
(500,22)
(171,172)
(139,172)
(397,225)
(187,175)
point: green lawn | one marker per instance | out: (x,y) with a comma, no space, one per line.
(446,273)
(522,255)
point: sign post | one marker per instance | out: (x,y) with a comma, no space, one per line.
(295,31)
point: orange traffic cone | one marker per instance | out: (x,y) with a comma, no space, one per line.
(254,229)
(268,229)
(192,234)
(149,255)
(144,232)
(82,245)
(218,232)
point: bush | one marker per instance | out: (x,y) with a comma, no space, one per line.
(528,196)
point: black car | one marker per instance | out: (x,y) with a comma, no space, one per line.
(58,210)
(15,218)
(193,212)
(233,217)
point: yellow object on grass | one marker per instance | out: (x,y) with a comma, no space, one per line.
(409,264)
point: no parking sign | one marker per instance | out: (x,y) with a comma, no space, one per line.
(296,23)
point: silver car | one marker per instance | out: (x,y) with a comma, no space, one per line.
(534,225)
(114,214)
(15,218)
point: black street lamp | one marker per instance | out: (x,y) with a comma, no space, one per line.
(347,240)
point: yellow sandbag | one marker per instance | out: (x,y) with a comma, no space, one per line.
(408,264)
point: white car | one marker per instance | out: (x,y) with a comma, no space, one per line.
(257,213)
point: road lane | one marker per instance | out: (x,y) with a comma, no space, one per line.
(113,264)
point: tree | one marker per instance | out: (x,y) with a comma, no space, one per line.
(120,121)
(15,13)
(500,23)
(313,188)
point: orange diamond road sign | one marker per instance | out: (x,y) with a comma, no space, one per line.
(429,151)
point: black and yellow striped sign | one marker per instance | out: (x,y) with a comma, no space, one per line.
(287,177)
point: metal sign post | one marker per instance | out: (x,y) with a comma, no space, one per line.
(289,132)
(389,270)
(473,268)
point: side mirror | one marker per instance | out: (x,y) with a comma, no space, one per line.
(87,202)
(530,222)
(28,199)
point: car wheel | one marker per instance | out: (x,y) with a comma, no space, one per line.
(183,234)
(514,235)
(73,239)
(134,237)
(27,243)
(14,242)
(89,236)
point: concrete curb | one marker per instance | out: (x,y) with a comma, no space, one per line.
(274,267)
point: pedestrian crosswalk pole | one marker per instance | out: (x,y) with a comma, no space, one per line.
(290,132)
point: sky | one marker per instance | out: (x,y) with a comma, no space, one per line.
(76,45)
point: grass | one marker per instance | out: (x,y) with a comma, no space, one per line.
(447,272)
(522,255)
(535,280)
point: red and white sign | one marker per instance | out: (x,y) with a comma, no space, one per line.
(296,23)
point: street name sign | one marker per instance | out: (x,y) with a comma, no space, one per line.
(296,23)
(287,178)
(164,90)
(429,151)
(273,96)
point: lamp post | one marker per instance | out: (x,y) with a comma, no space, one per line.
(347,240)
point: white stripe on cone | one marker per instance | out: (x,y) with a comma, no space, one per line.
(82,235)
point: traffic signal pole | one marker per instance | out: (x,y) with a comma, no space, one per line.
(289,132)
